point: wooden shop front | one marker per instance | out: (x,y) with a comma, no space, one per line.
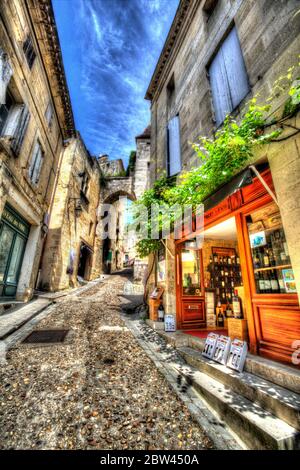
(244,229)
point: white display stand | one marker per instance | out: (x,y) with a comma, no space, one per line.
(170,324)
(222,349)
(237,355)
(210,345)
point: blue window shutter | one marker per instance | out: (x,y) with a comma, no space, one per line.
(174,160)
(235,68)
(220,88)
(228,77)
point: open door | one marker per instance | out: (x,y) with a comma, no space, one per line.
(190,288)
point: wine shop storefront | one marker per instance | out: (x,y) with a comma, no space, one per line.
(241,281)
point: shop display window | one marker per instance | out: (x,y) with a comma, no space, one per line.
(190,263)
(273,271)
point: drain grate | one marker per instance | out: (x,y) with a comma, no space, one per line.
(46,336)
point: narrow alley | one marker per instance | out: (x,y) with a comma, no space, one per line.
(96,390)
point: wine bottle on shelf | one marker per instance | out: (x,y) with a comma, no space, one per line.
(261,283)
(215,258)
(281,282)
(256,260)
(268,288)
(229,260)
(219,314)
(237,305)
(266,258)
(228,309)
(237,259)
(274,282)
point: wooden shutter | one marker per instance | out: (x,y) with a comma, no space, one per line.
(36,163)
(12,121)
(228,77)
(220,88)
(174,157)
(20,130)
(235,68)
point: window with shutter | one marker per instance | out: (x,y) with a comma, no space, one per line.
(228,77)
(29,51)
(174,156)
(20,131)
(36,163)
(4,111)
(49,114)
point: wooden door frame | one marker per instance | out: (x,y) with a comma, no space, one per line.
(178,280)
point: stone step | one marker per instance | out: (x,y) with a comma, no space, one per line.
(282,403)
(255,426)
(280,374)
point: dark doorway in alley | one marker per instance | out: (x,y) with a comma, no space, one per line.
(84,261)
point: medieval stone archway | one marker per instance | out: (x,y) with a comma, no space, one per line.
(114,251)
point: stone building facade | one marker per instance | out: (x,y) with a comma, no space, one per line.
(217,55)
(36,119)
(116,188)
(71,252)
(141,174)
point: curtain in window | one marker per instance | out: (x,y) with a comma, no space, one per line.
(5,74)
(174,158)
(228,77)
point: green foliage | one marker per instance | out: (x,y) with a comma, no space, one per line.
(226,154)
(146,247)
(102,180)
(131,162)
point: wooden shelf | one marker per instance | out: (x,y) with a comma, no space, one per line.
(270,268)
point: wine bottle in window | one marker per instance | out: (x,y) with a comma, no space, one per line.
(281,282)
(256,260)
(228,309)
(261,283)
(266,258)
(274,282)
(237,305)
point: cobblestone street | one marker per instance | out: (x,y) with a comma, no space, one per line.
(97,390)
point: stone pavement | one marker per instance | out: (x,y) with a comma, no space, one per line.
(11,321)
(97,390)
(172,366)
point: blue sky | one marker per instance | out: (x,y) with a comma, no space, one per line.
(110,49)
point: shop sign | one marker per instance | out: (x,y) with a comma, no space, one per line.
(15,222)
(170,323)
(210,345)
(222,349)
(237,355)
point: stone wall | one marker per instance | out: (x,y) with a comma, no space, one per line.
(269,34)
(68,229)
(35,89)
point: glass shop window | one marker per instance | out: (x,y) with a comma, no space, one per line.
(190,267)
(273,271)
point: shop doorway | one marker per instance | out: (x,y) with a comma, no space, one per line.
(190,288)
(14,231)
(84,262)
(207,279)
